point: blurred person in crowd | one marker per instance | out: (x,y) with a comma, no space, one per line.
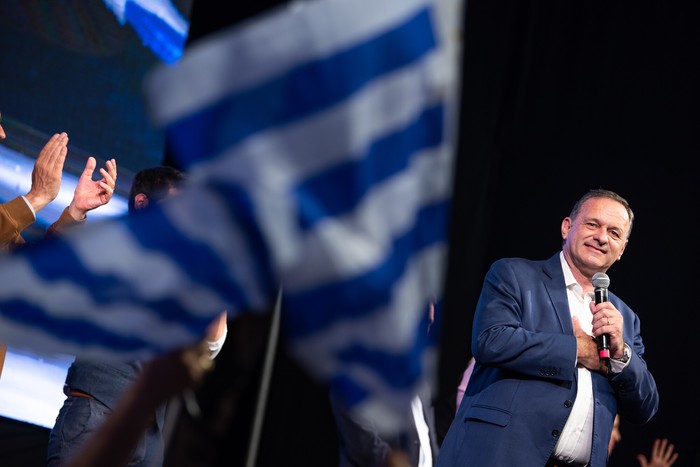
(113,442)
(93,388)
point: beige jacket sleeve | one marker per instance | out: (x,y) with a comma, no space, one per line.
(64,221)
(15,216)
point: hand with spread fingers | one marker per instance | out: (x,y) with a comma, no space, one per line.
(90,194)
(662,455)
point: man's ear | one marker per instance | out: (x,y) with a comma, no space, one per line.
(140,201)
(565,227)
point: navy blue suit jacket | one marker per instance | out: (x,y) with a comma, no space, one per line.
(524,382)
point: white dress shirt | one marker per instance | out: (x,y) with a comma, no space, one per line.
(574,445)
(425,457)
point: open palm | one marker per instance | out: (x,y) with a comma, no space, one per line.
(90,194)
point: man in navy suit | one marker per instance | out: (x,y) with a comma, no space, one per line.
(540,393)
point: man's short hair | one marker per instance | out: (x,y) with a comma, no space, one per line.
(155,183)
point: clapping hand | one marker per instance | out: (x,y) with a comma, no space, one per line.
(48,172)
(90,194)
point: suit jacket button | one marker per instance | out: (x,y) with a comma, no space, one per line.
(567,404)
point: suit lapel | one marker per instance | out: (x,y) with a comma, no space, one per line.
(552,279)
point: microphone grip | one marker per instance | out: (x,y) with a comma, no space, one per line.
(603,341)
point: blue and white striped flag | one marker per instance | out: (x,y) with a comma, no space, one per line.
(315,139)
(158,23)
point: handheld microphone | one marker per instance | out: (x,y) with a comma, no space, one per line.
(601,282)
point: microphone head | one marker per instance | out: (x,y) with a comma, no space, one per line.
(600,280)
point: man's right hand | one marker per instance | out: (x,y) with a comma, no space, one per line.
(47,172)
(587,347)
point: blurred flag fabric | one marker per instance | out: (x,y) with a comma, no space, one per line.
(158,23)
(317,142)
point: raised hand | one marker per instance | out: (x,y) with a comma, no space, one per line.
(662,455)
(47,172)
(90,194)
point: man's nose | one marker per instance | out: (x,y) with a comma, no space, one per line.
(602,235)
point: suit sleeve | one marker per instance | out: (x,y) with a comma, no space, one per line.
(520,326)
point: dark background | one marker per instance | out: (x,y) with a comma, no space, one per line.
(557,98)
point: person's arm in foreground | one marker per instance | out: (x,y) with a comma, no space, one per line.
(162,378)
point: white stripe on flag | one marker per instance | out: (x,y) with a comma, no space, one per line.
(275,43)
(345,246)
(388,103)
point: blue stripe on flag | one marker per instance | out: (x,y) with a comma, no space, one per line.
(255,237)
(363,294)
(300,92)
(195,259)
(53,255)
(156,32)
(80,331)
(400,370)
(352,392)
(154,232)
(319,197)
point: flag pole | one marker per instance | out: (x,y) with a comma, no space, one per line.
(265,383)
